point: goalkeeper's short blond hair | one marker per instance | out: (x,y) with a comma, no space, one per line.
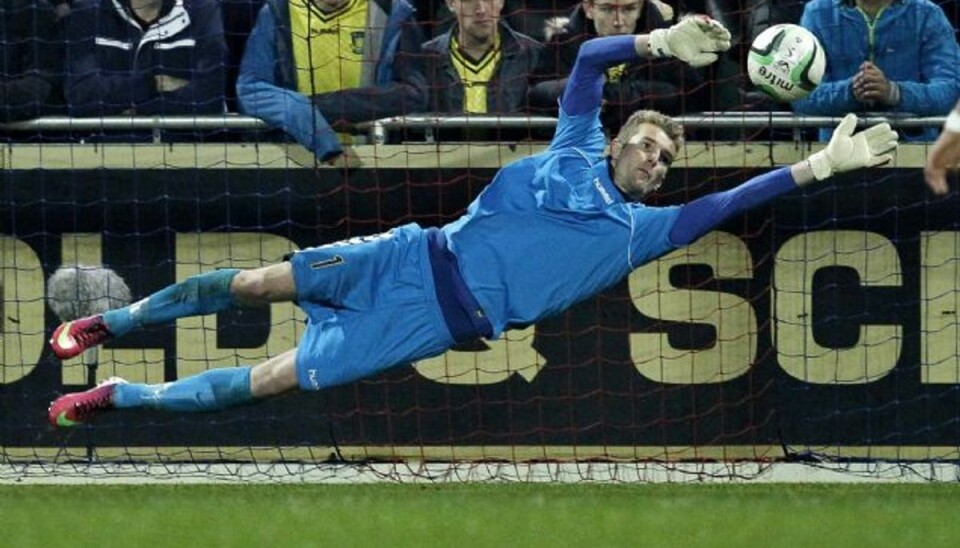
(669,126)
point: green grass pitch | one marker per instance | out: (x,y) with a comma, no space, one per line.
(493,515)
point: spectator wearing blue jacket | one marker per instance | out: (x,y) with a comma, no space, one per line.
(145,57)
(883,56)
(312,63)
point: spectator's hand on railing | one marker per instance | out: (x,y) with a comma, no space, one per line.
(696,40)
(167,83)
(348,159)
(847,151)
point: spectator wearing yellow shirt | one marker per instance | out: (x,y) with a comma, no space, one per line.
(312,63)
(480,65)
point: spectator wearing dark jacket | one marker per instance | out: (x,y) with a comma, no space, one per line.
(31,60)
(666,85)
(145,57)
(480,65)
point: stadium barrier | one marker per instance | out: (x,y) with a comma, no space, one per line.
(820,328)
(378,131)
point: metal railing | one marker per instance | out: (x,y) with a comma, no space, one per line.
(379,130)
(155,124)
(129,123)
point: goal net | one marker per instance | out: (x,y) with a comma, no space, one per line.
(820,330)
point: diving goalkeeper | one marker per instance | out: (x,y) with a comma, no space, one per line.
(550,230)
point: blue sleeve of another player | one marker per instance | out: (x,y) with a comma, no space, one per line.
(584,91)
(705,213)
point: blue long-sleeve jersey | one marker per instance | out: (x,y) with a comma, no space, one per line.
(553,229)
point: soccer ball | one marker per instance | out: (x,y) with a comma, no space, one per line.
(786,62)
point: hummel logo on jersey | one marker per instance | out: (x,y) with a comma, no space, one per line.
(603,192)
(332,261)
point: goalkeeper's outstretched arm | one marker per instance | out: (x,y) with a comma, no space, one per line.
(695,40)
(846,151)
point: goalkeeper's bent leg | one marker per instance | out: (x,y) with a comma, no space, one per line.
(209,391)
(196,296)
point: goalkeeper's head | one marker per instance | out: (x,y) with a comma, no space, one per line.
(643,151)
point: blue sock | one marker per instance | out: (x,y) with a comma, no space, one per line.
(196,296)
(209,391)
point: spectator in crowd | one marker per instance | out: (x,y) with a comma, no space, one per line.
(145,57)
(238,19)
(310,63)
(31,60)
(883,56)
(667,85)
(480,65)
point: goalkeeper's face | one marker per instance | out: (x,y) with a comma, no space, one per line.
(640,164)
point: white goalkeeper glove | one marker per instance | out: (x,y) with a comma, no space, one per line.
(847,151)
(695,40)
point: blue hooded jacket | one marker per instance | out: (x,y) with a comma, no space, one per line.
(912,42)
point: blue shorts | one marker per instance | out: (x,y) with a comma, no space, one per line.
(370,304)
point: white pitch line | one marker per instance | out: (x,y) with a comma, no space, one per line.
(461,472)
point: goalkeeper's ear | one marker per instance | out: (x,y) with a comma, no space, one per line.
(616,147)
